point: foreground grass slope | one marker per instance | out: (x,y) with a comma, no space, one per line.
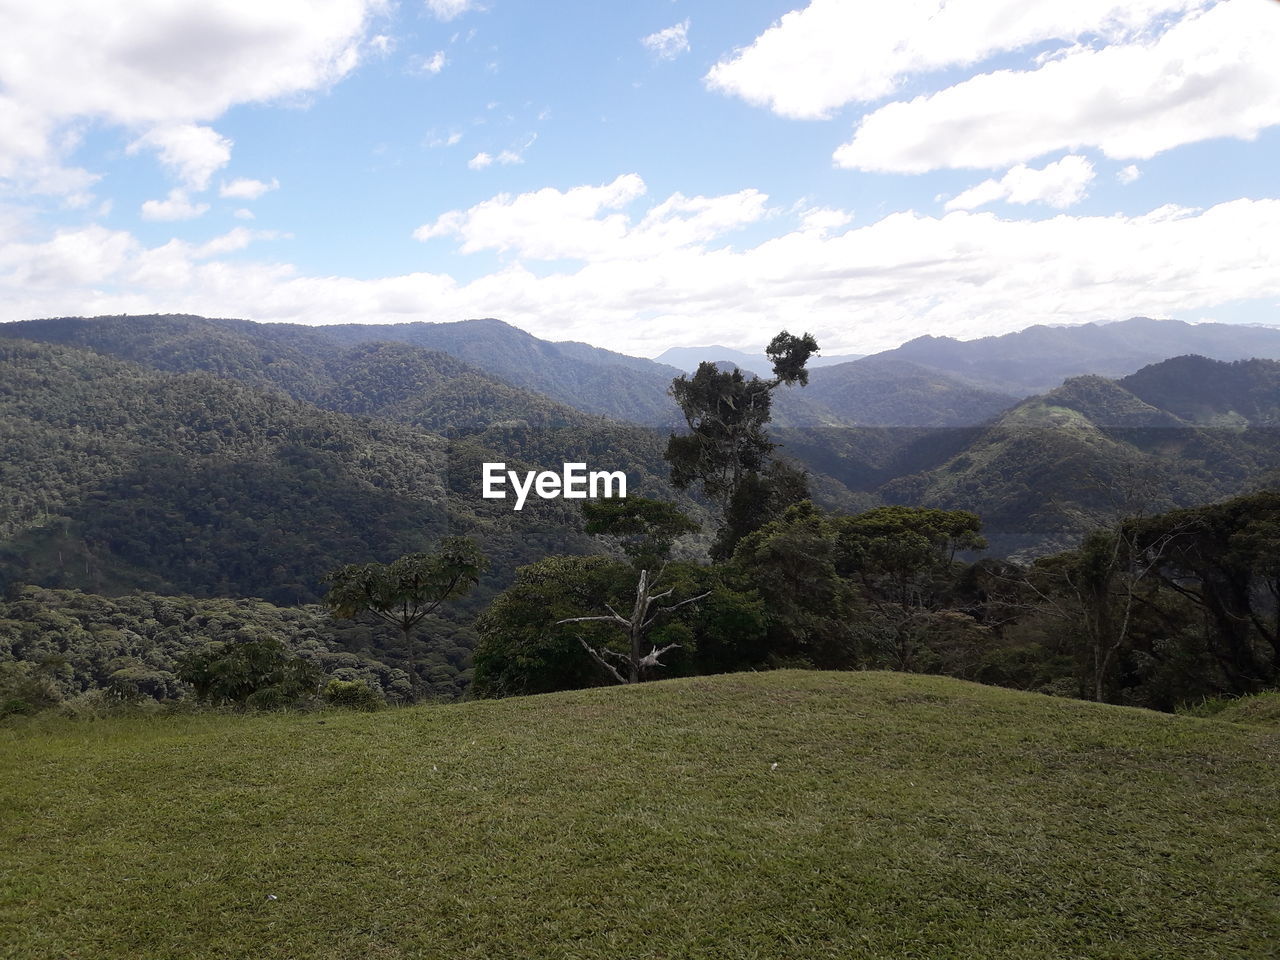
(906,817)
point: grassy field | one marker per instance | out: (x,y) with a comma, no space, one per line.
(789,814)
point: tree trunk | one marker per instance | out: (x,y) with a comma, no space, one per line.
(637,624)
(408,646)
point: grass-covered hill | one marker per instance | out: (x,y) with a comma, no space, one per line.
(778,815)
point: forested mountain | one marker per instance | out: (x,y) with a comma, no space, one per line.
(582,376)
(431,390)
(305,361)
(887,392)
(1186,431)
(293,358)
(1204,391)
(117,477)
(302,359)
(1039,358)
(1038,473)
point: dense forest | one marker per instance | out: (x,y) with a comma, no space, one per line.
(1109,539)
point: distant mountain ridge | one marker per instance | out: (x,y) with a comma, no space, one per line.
(688,358)
(1039,358)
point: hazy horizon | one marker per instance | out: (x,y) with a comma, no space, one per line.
(664,173)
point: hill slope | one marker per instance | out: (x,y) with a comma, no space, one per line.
(769,815)
(887,392)
(117,477)
(1094,449)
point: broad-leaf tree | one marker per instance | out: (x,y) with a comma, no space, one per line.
(645,529)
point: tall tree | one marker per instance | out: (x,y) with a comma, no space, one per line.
(903,559)
(727,449)
(1223,558)
(405,592)
(1100,587)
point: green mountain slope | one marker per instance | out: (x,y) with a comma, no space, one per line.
(117,477)
(428,389)
(588,378)
(304,361)
(1093,450)
(773,815)
(886,392)
(1204,391)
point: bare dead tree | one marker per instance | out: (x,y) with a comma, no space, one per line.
(644,615)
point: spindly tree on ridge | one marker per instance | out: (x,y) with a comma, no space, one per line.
(727,449)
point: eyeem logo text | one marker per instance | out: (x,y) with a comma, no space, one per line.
(573,483)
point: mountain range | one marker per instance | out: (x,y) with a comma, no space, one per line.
(196,431)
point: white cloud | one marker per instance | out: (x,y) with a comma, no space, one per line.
(1060,184)
(193,153)
(669,43)
(450,9)
(244,213)
(229,242)
(1210,75)
(433,64)
(589,222)
(1129,174)
(504,158)
(834,52)
(243,188)
(161,68)
(177,206)
(823,220)
(653,273)
(70,259)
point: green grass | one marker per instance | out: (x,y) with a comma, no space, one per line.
(1260,708)
(907,817)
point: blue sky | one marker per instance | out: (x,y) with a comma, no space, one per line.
(644,175)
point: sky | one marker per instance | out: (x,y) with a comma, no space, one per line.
(646,174)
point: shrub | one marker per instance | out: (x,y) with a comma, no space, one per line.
(262,674)
(26,688)
(353,694)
